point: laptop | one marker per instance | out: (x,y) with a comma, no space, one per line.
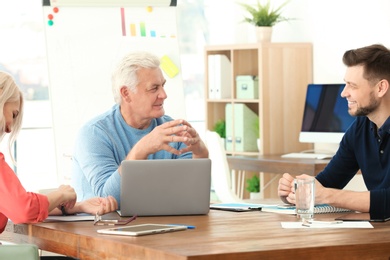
(165,187)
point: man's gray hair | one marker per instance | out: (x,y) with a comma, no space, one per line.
(125,74)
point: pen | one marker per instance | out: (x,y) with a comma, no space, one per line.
(313,222)
(325,222)
(188,227)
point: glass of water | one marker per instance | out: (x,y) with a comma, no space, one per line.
(305,198)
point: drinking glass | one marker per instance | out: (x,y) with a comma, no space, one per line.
(305,198)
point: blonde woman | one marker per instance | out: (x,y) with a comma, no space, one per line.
(18,204)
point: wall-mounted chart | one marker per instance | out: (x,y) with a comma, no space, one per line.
(144,24)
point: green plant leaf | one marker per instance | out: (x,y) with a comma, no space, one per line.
(253,184)
(220,128)
(263,14)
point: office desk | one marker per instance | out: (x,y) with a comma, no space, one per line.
(277,164)
(270,165)
(218,235)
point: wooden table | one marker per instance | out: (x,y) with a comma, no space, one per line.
(277,164)
(218,235)
(270,165)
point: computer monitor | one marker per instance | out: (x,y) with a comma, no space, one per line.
(325,117)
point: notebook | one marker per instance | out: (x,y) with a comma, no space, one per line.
(165,187)
(290,209)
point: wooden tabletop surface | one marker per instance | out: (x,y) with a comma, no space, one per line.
(218,235)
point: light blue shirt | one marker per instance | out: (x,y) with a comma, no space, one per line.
(100,147)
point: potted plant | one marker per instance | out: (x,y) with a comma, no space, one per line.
(263,17)
(253,186)
(220,129)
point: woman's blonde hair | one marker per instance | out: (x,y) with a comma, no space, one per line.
(10,92)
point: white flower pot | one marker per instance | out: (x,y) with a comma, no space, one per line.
(263,33)
(255,196)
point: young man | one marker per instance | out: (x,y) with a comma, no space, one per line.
(136,128)
(365,145)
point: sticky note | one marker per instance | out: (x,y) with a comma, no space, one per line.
(149,9)
(168,66)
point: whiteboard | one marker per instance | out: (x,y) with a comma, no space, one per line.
(83,45)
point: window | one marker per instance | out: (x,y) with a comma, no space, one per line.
(23,55)
(198,20)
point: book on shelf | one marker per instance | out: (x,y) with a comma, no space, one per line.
(219,76)
(290,209)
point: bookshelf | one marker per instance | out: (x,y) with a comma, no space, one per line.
(283,70)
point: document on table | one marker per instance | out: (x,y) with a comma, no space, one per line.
(345,224)
(70,218)
(2,242)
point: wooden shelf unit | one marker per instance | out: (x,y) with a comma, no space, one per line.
(284,71)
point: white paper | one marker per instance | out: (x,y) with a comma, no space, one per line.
(70,218)
(2,242)
(345,224)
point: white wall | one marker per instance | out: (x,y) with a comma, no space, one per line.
(332,26)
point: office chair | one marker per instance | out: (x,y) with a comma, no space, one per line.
(220,173)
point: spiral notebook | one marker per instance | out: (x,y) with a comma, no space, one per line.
(290,209)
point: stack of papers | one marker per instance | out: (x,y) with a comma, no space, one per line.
(70,218)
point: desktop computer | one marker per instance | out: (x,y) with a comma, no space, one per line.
(325,120)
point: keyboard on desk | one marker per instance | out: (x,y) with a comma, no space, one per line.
(319,156)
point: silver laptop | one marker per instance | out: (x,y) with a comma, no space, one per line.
(165,187)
